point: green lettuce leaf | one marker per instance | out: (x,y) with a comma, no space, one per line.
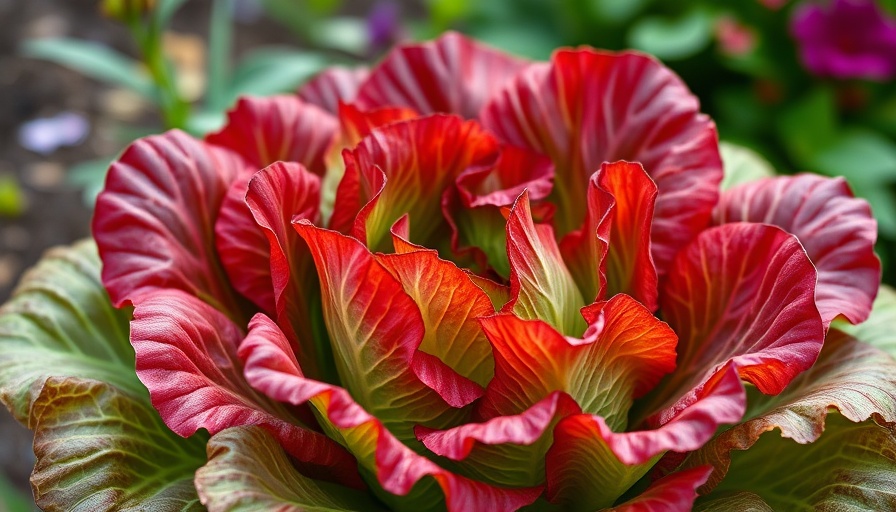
(249,471)
(67,372)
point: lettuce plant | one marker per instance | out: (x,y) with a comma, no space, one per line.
(459,280)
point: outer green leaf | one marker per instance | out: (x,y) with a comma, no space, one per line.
(878,330)
(94,60)
(268,71)
(100,449)
(742,501)
(67,371)
(742,165)
(852,377)
(60,323)
(673,39)
(249,471)
(851,467)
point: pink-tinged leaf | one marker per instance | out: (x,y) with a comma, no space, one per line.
(452,74)
(451,305)
(278,195)
(154,221)
(404,168)
(673,493)
(473,206)
(585,250)
(540,284)
(745,293)
(590,465)
(267,130)
(623,354)
(587,107)
(836,229)
(505,450)
(272,369)
(855,378)
(248,470)
(242,246)
(375,331)
(187,358)
(333,86)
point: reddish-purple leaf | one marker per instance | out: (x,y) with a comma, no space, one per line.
(187,358)
(154,222)
(267,130)
(452,74)
(333,86)
(836,229)
(745,293)
(587,107)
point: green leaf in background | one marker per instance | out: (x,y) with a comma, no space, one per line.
(11,499)
(344,33)
(883,204)
(12,199)
(673,39)
(273,70)
(809,126)
(67,372)
(616,11)
(878,330)
(532,42)
(94,60)
(248,471)
(861,155)
(164,10)
(90,177)
(742,165)
(851,467)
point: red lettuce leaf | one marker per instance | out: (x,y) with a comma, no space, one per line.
(333,86)
(587,107)
(376,330)
(745,293)
(154,222)
(272,369)
(404,168)
(452,74)
(187,358)
(836,229)
(267,130)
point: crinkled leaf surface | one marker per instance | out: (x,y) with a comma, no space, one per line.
(851,467)
(187,358)
(855,378)
(67,372)
(154,222)
(98,448)
(248,470)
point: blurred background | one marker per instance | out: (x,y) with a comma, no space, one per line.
(803,85)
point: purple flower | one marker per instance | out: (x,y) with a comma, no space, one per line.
(848,39)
